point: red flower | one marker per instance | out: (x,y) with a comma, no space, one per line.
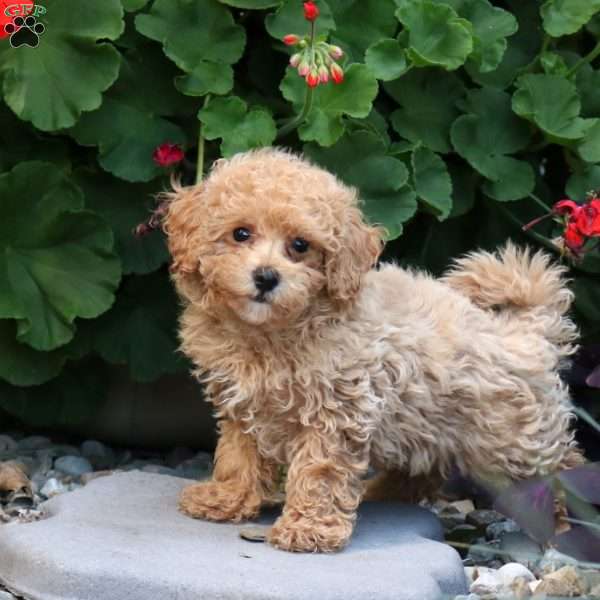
(168,154)
(311,11)
(573,238)
(566,207)
(291,39)
(323,74)
(312,79)
(337,73)
(588,218)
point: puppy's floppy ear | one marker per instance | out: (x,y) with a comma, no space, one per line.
(181,224)
(360,246)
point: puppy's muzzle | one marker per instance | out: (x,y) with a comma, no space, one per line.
(266,280)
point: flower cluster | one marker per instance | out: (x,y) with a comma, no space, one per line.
(168,154)
(581,222)
(315,61)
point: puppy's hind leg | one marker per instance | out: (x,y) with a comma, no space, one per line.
(241,480)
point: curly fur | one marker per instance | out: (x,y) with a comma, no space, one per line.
(343,366)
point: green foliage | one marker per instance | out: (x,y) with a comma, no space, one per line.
(453,115)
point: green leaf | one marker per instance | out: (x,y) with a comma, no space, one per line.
(485,135)
(552,103)
(437,36)
(588,86)
(206,78)
(289,18)
(427,100)
(579,184)
(252,4)
(133,5)
(124,206)
(21,364)
(361,23)
(354,97)
(386,59)
(432,182)
(564,17)
(193,32)
(56,260)
(130,124)
(69,400)
(553,64)
(141,329)
(589,147)
(51,85)
(240,129)
(360,160)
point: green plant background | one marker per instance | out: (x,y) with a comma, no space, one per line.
(457,118)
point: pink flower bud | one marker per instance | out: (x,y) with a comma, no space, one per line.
(291,39)
(335,52)
(312,79)
(295,59)
(323,74)
(337,73)
(303,68)
(168,154)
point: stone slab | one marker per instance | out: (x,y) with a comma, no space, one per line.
(122,538)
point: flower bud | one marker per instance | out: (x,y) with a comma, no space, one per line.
(168,154)
(295,59)
(311,11)
(323,74)
(335,52)
(291,39)
(312,79)
(303,68)
(337,73)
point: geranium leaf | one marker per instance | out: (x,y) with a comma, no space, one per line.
(38,86)
(240,129)
(56,259)
(589,147)
(552,103)
(386,59)
(553,64)
(437,36)
(21,364)
(581,543)
(324,123)
(593,379)
(206,78)
(588,86)
(531,504)
(486,135)
(360,159)
(124,206)
(133,5)
(564,17)
(289,18)
(427,100)
(583,482)
(130,124)
(192,32)
(432,182)
(361,23)
(252,4)
(141,329)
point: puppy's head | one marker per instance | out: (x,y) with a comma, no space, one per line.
(266,235)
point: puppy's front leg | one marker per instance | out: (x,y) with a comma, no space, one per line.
(323,491)
(241,480)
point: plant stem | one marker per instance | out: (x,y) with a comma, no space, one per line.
(540,203)
(584,60)
(585,416)
(200,161)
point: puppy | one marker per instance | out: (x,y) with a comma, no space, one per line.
(315,360)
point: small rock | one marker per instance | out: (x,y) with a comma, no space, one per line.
(101,456)
(594,592)
(194,469)
(451,520)
(553,560)
(254,534)
(520,588)
(533,585)
(486,584)
(34,442)
(75,466)
(463,506)
(564,582)
(518,547)
(511,571)
(87,477)
(7,444)
(53,487)
(178,455)
(495,531)
(469,597)
(6,596)
(483,552)
(472,573)
(483,518)
(159,469)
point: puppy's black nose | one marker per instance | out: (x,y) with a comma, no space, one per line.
(265,279)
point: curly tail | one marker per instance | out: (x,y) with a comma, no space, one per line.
(523,282)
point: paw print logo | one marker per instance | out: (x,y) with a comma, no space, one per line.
(24,31)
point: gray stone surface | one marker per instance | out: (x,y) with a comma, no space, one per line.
(122,538)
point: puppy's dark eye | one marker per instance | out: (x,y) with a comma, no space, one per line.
(300,245)
(241,234)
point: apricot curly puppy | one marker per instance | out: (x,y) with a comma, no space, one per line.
(315,360)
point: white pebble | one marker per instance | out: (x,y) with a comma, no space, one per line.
(510,571)
(486,583)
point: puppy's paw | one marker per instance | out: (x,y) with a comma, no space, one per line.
(219,501)
(301,534)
